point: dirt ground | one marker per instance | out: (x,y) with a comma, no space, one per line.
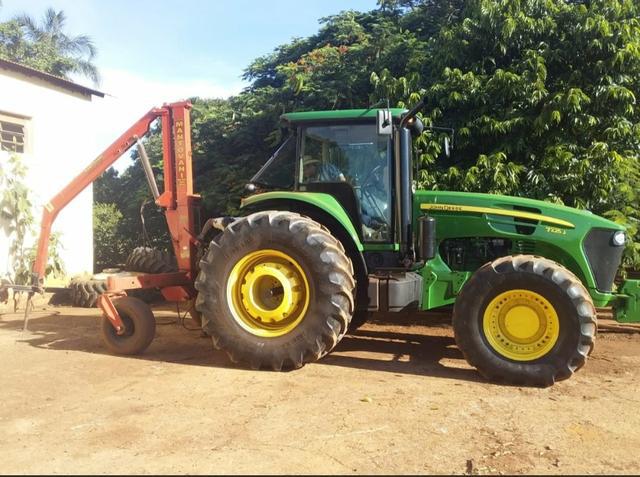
(395,399)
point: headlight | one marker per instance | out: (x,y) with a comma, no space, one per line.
(618,238)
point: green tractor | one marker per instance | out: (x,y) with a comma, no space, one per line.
(334,231)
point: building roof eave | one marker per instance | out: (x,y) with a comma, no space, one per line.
(49,78)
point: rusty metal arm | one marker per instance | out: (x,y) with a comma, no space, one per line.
(77,185)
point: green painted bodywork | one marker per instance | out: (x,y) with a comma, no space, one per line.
(532,227)
(342,115)
(324,202)
(627,306)
(561,243)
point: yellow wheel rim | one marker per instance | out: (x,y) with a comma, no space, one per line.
(521,325)
(268,293)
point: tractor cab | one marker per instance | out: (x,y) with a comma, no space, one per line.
(342,154)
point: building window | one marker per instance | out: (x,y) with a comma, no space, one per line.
(13,133)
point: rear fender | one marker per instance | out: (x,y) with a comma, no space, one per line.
(325,210)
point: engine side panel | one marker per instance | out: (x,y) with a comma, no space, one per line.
(473,229)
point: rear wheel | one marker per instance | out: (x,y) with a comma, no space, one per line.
(275,291)
(139,324)
(525,320)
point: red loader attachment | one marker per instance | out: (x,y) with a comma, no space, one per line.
(178,201)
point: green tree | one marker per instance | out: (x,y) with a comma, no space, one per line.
(106,242)
(542,94)
(16,222)
(16,217)
(543,97)
(47,47)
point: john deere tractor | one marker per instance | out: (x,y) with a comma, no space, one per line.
(334,231)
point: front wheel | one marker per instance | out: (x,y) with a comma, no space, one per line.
(525,320)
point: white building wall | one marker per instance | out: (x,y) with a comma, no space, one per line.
(63,131)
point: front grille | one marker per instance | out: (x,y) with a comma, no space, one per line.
(604,258)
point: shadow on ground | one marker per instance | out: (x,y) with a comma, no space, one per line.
(394,343)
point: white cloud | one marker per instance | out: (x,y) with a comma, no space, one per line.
(129,86)
(129,96)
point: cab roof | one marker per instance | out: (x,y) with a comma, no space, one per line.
(337,115)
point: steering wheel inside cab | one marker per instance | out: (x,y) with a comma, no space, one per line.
(374,177)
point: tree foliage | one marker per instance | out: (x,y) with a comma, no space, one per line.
(46,46)
(16,223)
(106,242)
(542,95)
(16,217)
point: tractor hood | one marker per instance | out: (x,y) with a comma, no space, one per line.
(518,209)
(585,243)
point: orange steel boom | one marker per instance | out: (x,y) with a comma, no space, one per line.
(178,198)
(179,202)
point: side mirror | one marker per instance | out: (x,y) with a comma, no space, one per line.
(384,122)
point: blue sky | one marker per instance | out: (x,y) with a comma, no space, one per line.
(195,42)
(153,52)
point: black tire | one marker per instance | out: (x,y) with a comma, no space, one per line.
(327,269)
(562,289)
(360,317)
(150,260)
(140,327)
(85,293)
